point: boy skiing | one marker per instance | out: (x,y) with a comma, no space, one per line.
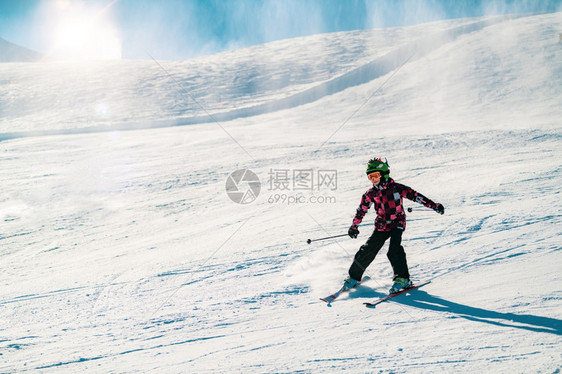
(386,196)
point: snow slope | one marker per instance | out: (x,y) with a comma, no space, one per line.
(10,52)
(121,251)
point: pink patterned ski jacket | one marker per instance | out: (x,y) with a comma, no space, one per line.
(387,199)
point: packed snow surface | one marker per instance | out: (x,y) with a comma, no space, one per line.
(121,250)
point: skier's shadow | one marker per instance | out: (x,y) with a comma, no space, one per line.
(423,300)
(365,292)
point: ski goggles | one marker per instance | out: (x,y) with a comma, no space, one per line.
(376,175)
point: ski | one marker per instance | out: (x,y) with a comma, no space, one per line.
(387,297)
(329,299)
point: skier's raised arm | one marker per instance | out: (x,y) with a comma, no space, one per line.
(411,194)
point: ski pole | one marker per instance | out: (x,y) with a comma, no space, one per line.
(328,237)
(424,209)
(336,236)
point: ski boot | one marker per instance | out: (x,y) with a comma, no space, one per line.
(349,283)
(400,284)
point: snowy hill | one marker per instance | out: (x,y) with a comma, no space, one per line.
(10,52)
(286,74)
(122,252)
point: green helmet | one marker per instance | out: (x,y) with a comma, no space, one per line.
(377,164)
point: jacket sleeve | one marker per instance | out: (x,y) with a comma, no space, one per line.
(417,197)
(362,209)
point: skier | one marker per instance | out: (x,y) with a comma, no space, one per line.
(386,195)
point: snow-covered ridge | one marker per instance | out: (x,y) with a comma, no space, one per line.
(140,94)
(10,52)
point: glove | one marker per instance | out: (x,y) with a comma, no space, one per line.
(439,208)
(353,232)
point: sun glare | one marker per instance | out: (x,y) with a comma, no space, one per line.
(85,35)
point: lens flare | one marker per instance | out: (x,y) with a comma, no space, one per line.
(81,33)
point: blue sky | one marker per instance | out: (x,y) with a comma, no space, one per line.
(178,29)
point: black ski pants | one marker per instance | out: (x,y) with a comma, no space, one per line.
(369,250)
